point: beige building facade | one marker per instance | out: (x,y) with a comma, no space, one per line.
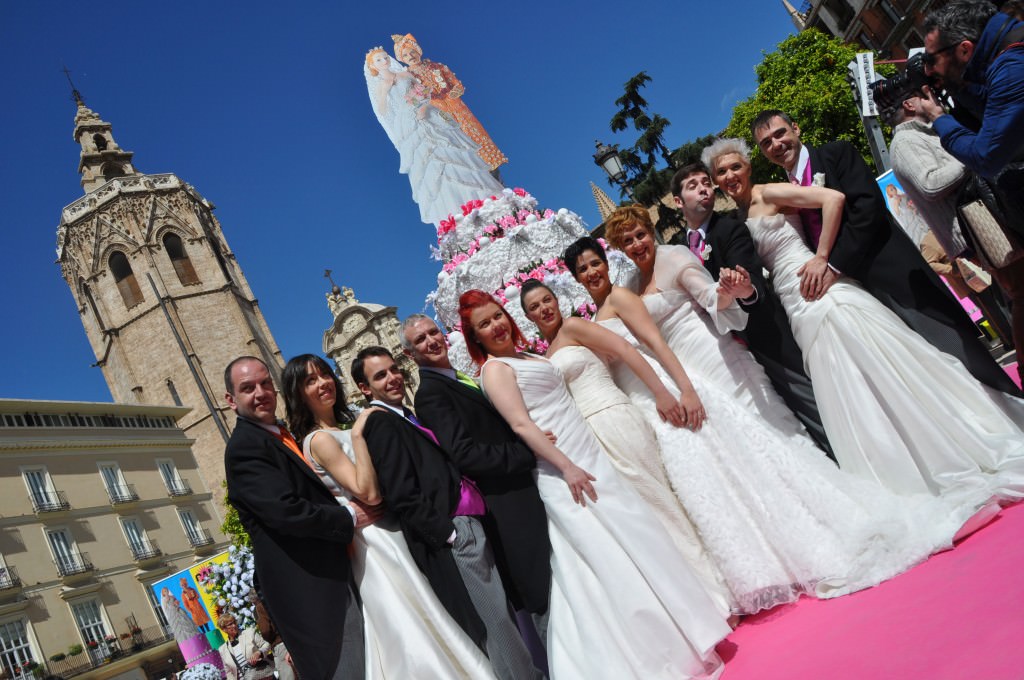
(362,324)
(161,297)
(97,502)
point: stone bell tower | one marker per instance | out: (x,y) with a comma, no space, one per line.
(163,301)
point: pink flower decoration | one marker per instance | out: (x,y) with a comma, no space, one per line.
(519,192)
(549,213)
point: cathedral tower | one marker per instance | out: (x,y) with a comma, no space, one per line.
(163,301)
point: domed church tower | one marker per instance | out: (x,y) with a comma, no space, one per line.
(161,297)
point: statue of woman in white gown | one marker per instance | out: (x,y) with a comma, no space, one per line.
(442,163)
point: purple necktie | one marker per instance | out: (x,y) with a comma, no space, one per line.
(416,423)
(696,242)
(810,217)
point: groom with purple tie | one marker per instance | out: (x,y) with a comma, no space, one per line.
(439,512)
(872,248)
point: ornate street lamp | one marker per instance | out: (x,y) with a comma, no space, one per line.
(607,158)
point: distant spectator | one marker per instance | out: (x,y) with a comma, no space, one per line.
(245,653)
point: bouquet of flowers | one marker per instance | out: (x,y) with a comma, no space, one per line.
(201,671)
(230,583)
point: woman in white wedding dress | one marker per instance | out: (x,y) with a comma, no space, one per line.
(896,409)
(775,514)
(695,319)
(444,168)
(624,603)
(580,350)
(408,632)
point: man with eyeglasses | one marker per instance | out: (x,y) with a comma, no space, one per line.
(977,53)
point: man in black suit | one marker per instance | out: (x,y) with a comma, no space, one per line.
(484,448)
(768,335)
(871,248)
(438,510)
(299,532)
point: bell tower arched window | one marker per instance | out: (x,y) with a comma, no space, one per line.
(100,141)
(180,259)
(111,170)
(127,285)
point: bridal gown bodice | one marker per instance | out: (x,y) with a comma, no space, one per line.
(444,168)
(896,410)
(632,447)
(408,633)
(777,517)
(685,308)
(624,603)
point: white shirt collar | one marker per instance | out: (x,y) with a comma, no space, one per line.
(801,164)
(378,402)
(450,372)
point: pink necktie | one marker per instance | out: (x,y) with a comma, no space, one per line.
(696,242)
(810,217)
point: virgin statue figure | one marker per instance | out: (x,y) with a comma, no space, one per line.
(444,168)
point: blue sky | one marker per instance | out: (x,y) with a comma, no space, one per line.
(263,108)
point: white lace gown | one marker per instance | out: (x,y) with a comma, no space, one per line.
(632,447)
(624,604)
(408,633)
(777,516)
(896,409)
(685,310)
(445,171)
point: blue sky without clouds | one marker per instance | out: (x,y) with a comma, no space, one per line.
(263,108)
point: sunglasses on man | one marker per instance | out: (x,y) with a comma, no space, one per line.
(928,58)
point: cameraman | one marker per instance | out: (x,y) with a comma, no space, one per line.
(977,53)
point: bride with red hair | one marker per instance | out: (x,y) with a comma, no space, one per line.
(624,602)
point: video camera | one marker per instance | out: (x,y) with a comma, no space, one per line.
(889,93)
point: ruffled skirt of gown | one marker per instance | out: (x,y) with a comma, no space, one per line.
(776,515)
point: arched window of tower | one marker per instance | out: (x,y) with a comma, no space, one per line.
(180,259)
(111,170)
(127,285)
(100,141)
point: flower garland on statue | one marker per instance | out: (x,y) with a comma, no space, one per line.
(492,232)
(229,584)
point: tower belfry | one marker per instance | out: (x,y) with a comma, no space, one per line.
(163,300)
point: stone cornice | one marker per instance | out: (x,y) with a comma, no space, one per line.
(75,443)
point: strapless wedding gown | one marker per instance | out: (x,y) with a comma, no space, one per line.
(632,447)
(895,408)
(408,632)
(685,311)
(776,515)
(624,604)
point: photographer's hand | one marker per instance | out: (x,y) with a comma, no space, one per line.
(930,106)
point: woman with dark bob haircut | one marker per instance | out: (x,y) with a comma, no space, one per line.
(408,633)
(624,602)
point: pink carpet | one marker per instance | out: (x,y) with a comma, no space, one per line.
(958,616)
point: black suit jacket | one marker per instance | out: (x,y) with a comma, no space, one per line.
(874,250)
(299,536)
(421,488)
(484,448)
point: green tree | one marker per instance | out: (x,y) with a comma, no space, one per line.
(641,159)
(805,77)
(232,526)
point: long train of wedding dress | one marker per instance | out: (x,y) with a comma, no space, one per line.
(775,514)
(896,409)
